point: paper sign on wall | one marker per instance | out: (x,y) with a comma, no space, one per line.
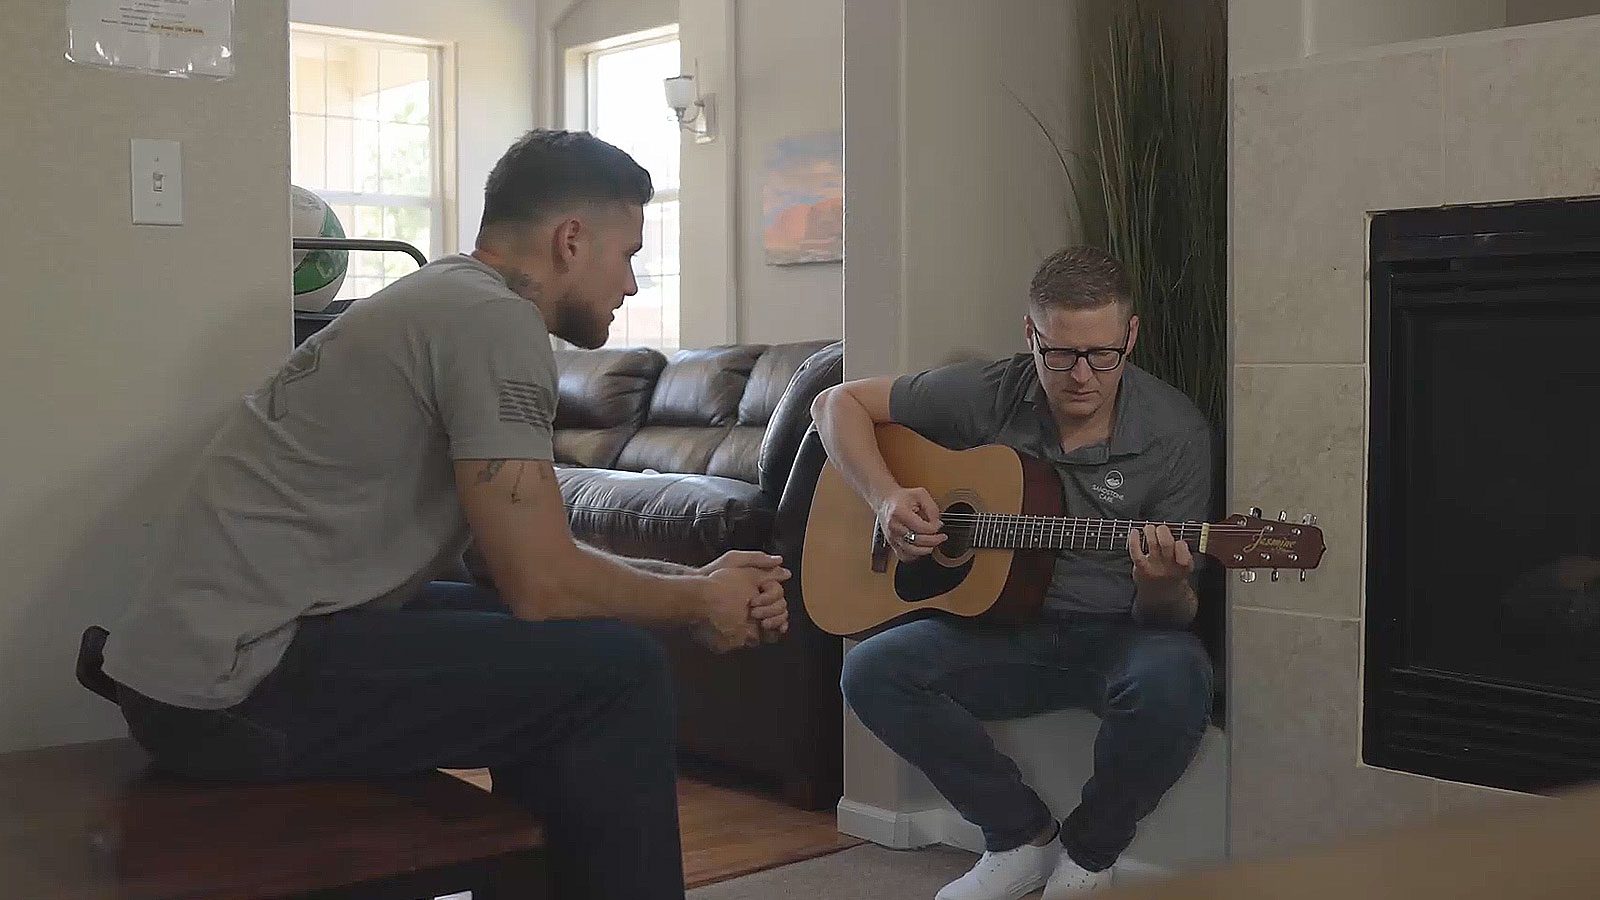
(179,38)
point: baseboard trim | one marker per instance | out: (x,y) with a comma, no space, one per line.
(924,828)
(888,828)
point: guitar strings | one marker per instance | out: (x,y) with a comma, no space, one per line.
(1062,522)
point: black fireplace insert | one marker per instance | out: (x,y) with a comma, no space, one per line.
(1483,564)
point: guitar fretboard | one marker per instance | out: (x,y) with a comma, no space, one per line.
(1010,532)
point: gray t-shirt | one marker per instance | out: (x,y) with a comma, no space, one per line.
(1156,466)
(331,486)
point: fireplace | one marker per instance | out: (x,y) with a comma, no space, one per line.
(1483,576)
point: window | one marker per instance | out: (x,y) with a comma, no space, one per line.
(626,106)
(365,132)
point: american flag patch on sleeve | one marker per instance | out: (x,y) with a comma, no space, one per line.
(525,402)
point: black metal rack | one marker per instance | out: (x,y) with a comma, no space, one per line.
(308,323)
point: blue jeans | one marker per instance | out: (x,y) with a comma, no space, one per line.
(925,687)
(574,719)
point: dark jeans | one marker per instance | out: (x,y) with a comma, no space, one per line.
(925,687)
(574,719)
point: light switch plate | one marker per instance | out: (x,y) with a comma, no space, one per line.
(157,173)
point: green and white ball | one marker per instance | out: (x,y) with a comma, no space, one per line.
(317,273)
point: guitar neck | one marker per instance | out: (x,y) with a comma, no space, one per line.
(1012,532)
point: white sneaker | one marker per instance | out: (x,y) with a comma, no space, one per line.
(1072,880)
(1005,876)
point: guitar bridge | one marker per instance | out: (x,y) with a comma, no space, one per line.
(880,550)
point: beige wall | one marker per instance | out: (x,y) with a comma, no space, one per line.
(1317,145)
(953,197)
(1524,12)
(709,175)
(1336,25)
(493,80)
(709,224)
(121,344)
(787,61)
(791,82)
(1270,33)
(597,20)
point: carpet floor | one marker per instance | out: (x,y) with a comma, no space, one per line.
(867,872)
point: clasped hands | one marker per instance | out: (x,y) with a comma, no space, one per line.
(745,605)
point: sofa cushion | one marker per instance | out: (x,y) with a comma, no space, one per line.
(690,519)
(703,387)
(678,449)
(739,454)
(714,411)
(696,401)
(604,396)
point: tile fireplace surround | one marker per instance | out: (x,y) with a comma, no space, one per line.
(1501,115)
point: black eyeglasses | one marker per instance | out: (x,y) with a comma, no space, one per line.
(1063,359)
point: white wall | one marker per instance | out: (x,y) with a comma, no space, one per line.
(952,195)
(789,74)
(1525,12)
(791,82)
(708,217)
(1264,34)
(953,198)
(121,344)
(1335,25)
(494,51)
(597,20)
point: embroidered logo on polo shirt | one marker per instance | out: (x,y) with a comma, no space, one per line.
(1108,492)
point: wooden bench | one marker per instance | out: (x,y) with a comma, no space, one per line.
(92,821)
(96,822)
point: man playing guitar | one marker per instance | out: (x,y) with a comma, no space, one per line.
(1112,637)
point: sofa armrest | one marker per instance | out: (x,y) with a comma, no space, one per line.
(791,418)
(794,509)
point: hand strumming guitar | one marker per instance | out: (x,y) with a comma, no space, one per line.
(910,522)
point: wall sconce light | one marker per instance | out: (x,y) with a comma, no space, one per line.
(696,114)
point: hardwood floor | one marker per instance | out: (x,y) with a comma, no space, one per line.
(727,832)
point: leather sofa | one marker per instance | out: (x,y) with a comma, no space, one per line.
(683,459)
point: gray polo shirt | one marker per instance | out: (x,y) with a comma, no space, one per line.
(1156,466)
(332,484)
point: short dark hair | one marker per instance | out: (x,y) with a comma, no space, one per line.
(546,171)
(1081,277)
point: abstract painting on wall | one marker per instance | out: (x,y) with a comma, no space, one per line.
(802,203)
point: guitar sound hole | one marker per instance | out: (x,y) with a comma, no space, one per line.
(927,577)
(959,539)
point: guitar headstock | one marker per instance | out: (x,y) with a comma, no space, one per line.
(1252,542)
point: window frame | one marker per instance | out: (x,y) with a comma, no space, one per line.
(580,111)
(441,130)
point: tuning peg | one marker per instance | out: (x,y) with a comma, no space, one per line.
(1255,511)
(1302,576)
(1283,515)
(1306,519)
(1248,576)
(1274,575)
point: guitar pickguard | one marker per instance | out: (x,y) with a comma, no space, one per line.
(924,579)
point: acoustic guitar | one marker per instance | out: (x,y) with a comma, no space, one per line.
(1005,519)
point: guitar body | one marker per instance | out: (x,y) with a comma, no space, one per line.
(844,593)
